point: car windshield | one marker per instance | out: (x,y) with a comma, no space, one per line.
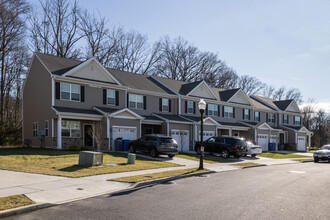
(167,140)
(326,147)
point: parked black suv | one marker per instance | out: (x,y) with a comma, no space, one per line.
(155,145)
(226,146)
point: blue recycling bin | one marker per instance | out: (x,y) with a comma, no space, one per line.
(119,144)
(272,146)
(126,144)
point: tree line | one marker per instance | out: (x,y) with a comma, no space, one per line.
(62,28)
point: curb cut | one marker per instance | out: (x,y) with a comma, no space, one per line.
(24,209)
(307,161)
(260,165)
(166,179)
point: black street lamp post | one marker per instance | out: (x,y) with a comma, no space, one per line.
(201,107)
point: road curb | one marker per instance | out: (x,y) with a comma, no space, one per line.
(24,209)
(308,161)
(260,165)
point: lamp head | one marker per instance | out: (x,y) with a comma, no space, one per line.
(202,105)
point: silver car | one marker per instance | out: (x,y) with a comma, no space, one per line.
(322,154)
(253,149)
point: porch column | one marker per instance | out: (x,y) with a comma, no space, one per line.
(255,136)
(296,137)
(108,132)
(140,126)
(195,135)
(59,132)
(230,132)
(168,128)
(309,140)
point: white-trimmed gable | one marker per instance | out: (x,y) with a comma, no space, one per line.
(293,107)
(202,90)
(264,126)
(241,98)
(125,114)
(93,70)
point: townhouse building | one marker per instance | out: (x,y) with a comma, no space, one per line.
(64,99)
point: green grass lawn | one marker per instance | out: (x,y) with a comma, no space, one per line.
(281,156)
(207,158)
(247,164)
(304,159)
(15,201)
(154,176)
(64,163)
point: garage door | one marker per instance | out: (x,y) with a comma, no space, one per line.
(182,137)
(124,132)
(301,144)
(206,135)
(263,141)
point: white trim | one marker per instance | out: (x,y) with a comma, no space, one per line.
(52,127)
(295,105)
(179,105)
(151,122)
(118,126)
(203,82)
(244,95)
(260,126)
(114,114)
(59,132)
(53,95)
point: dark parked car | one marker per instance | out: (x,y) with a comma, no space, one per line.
(226,146)
(322,154)
(155,145)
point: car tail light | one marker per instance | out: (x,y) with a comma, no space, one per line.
(235,147)
(247,147)
(161,143)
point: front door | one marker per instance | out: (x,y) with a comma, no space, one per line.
(88,135)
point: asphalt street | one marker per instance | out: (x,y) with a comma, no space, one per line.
(292,191)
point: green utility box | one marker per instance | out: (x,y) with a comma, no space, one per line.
(131,158)
(90,158)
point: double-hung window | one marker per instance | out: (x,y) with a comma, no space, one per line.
(70,92)
(135,101)
(285,119)
(212,109)
(271,118)
(71,129)
(165,105)
(35,129)
(190,107)
(228,112)
(111,97)
(246,114)
(297,120)
(256,116)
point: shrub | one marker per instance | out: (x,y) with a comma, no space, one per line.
(74,147)
(314,148)
(289,147)
(88,148)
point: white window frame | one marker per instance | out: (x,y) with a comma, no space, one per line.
(297,122)
(35,129)
(246,117)
(285,119)
(71,128)
(165,105)
(134,99)
(212,109)
(190,107)
(70,92)
(271,118)
(46,128)
(109,93)
(255,118)
(228,112)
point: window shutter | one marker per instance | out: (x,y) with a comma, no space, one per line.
(282,119)
(104,96)
(144,102)
(160,104)
(207,109)
(169,105)
(218,110)
(223,111)
(127,102)
(117,98)
(186,106)
(58,90)
(249,114)
(267,117)
(243,114)
(233,112)
(259,116)
(82,93)
(194,107)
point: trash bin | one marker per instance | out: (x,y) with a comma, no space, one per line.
(119,144)
(126,144)
(270,147)
(131,158)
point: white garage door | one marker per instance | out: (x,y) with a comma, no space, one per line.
(182,137)
(301,144)
(124,132)
(206,135)
(263,141)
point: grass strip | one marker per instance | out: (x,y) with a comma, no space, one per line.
(247,164)
(304,159)
(207,158)
(281,156)
(154,176)
(15,201)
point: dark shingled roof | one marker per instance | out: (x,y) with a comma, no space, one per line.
(234,124)
(227,94)
(172,117)
(58,65)
(283,104)
(186,88)
(106,109)
(76,110)
(192,118)
(292,127)
(153,118)
(251,123)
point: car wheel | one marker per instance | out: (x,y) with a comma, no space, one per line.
(132,149)
(237,156)
(153,152)
(316,160)
(253,155)
(171,155)
(225,154)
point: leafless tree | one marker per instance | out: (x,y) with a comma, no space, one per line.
(250,84)
(226,78)
(55,28)
(268,91)
(308,112)
(321,128)
(97,133)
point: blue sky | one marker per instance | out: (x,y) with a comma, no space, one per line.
(279,41)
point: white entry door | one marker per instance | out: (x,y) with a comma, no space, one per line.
(124,132)
(301,143)
(263,141)
(182,137)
